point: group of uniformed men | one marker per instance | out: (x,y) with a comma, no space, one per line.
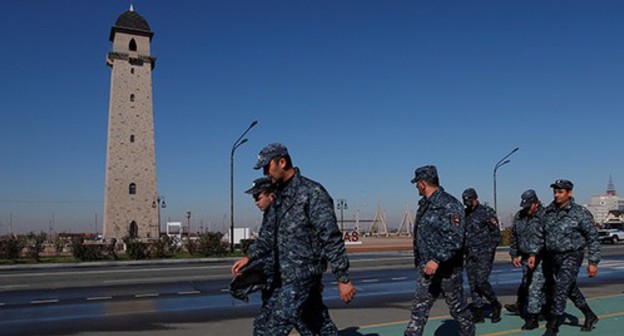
(299,236)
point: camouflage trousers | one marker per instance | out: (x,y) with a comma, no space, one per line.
(294,305)
(533,286)
(478,269)
(563,269)
(428,288)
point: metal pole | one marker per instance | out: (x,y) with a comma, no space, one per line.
(499,164)
(342,205)
(236,144)
(188,220)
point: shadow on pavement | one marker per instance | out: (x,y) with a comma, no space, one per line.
(353,331)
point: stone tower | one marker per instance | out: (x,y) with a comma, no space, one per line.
(131,195)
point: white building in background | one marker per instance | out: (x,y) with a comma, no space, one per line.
(601,205)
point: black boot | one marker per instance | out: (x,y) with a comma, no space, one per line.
(477,315)
(513,308)
(531,322)
(590,318)
(496,311)
(552,327)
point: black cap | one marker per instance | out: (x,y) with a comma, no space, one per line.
(270,152)
(528,197)
(425,173)
(260,185)
(562,184)
(251,279)
(468,195)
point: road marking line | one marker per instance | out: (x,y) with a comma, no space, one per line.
(13,286)
(399,279)
(189,293)
(44,301)
(136,270)
(146,295)
(225,290)
(370,280)
(158,280)
(97,298)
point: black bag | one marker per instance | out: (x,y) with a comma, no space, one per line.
(251,279)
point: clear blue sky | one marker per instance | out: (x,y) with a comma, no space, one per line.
(361,92)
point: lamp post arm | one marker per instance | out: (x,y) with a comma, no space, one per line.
(236,144)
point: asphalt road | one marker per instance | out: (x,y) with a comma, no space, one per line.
(191,298)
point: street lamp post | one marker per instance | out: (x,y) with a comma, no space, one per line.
(499,164)
(236,144)
(188,224)
(157,204)
(342,205)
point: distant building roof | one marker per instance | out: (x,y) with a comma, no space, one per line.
(133,23)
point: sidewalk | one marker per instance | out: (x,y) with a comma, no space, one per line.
(403,243)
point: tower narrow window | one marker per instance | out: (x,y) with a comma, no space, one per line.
(132,46)
(133,230)
(132,189)
(132,70)
(132,138)
(132,97)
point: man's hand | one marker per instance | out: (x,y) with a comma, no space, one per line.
(516,261)
(592,270)
(531,262)
(347,291)
(238,265)
(431,267)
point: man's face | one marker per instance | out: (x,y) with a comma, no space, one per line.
(264,200)
(420,185)
(471,203)
(562,196)
(533,208)
(275,170)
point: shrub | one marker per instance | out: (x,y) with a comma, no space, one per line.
(59,244)
(35,244)
(211,244)
(135,249)
(191,246)
(86,252)
(245,243)
(165,247)
(11,247)
(111,248)
(505,237)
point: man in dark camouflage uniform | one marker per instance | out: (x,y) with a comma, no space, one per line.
(438,242)
(525,246)
(482,237)
(303,236)
(568,229)
(262,190)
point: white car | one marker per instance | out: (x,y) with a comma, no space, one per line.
(611,232)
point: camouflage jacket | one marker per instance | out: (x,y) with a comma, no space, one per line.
(307,237)
(526,236)
(570,229)
(439,230)
(482,231)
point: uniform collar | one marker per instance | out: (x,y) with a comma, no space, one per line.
(435,197)
(566,208)
(289,187)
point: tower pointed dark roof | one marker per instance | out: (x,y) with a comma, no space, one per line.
(133,23)
(611,187)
